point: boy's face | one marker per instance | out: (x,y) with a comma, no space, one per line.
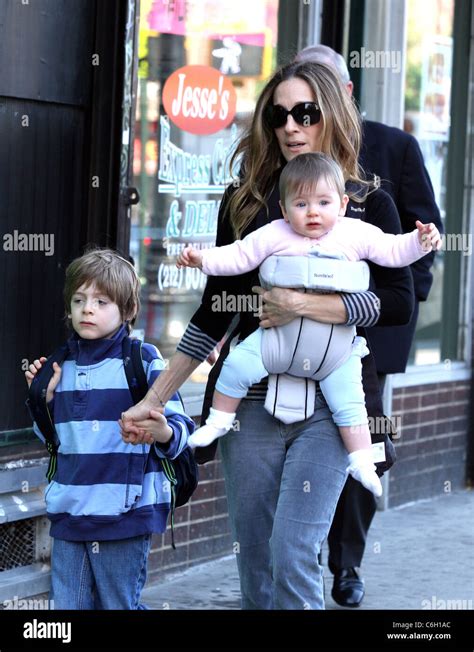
(93,314)
(314,214)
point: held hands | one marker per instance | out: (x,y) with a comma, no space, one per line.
(428,236)
(53,383)
(144,425)
(189,257)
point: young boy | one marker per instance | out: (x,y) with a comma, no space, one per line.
(107,497)
(313,202)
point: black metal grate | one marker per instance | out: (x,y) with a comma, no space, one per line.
(17,544)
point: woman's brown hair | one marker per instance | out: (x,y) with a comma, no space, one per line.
(260,153)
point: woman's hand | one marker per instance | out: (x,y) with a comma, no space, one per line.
(144,413)
(280,306)
(53,383)
(130,430)
(152,428)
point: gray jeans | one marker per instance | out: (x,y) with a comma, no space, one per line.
(283,483)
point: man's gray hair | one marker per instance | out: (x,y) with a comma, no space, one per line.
(324,54)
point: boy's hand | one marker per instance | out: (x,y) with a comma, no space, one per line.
(189,257)
(53,383)
(147,431)
(428,236)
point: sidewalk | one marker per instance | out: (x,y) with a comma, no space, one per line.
(417,557)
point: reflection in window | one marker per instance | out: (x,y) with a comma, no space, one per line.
(180,175)
(427,117)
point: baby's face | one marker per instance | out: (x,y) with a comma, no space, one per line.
(315,213)
(93,314)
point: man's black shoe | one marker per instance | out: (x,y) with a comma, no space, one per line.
(348,588)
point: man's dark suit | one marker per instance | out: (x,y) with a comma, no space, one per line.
(395,156)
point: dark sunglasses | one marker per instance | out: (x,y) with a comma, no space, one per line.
(304,113)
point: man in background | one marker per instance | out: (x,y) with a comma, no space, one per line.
(396,158)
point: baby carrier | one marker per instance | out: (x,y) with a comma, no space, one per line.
(298,354)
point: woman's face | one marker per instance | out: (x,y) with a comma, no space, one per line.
(293,138)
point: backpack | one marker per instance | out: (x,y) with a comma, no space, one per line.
(182,472)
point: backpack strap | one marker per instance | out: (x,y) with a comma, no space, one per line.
(38,406)
(134,371)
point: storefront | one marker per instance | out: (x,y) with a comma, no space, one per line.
(200,68)
(404,78)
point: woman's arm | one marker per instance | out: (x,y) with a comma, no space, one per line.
(206,328)
(180,367)
(140,422)
(282,305)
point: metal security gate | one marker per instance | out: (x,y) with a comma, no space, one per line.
(17,544)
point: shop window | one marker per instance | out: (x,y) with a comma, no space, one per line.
(180,162)
(427,116)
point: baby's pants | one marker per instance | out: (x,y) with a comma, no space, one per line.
(342,389)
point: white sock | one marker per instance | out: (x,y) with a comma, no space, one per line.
(217,424)
(362,468)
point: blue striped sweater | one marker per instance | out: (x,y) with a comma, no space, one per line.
(104,488)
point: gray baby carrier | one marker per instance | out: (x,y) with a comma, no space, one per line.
(304,351)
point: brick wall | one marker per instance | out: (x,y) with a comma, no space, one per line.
(202,530)
(431,460)
(432,448)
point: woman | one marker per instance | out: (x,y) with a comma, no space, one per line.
(283,482)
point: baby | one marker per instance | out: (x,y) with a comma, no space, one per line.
(313,203)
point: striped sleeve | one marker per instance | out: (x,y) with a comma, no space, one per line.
(196,343)
(179,422)
(363,308)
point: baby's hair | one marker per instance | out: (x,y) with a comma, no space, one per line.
(301,175)
(112,274)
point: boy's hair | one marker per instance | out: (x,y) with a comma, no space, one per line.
(302,173)
(112,274)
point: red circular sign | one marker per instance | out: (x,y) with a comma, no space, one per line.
(199,99)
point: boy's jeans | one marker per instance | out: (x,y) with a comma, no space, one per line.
(99,574)
(283,483)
